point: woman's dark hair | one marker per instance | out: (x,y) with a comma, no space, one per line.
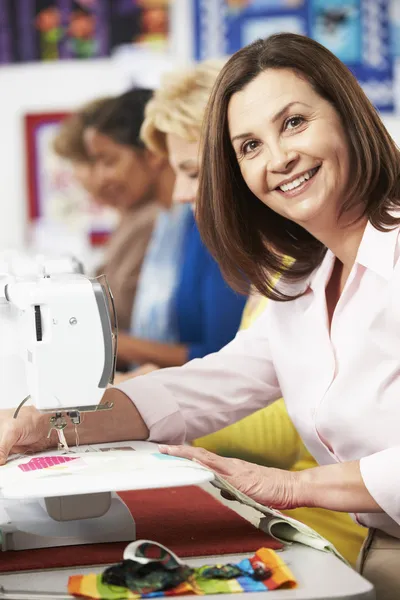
(246,237)
(68,142)
(122,117)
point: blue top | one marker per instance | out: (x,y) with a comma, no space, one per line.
(208,310)
(154,313)
(181,296)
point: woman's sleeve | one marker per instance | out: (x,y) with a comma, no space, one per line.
(206,394)
(222,310)
(380,473)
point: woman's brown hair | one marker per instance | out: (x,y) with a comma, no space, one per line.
(246,237)
(68,142)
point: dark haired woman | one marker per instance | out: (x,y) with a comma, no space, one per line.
(127,177)
(123,174)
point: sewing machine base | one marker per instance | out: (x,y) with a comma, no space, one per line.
(30,526)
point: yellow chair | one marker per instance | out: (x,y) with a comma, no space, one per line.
(268,437)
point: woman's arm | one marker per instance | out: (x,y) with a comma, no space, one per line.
(29,431)
(337,487)
(169,405)
(135,350)
(208,394)
(221,311)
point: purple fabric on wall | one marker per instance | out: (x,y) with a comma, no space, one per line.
(101,10)
(26,16)
(5,33)
(65,8)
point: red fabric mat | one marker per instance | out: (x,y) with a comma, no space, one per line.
(186,519)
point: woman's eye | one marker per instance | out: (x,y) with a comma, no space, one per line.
(293,122)
(249,146)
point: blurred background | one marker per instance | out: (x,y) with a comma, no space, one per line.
(56,55)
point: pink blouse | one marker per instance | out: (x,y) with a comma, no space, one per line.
(341,386)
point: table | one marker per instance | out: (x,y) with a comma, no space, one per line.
(321,576)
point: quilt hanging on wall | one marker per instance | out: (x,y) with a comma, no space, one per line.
(46,30)
(357,31)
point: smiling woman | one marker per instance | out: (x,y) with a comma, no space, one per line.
(280,115)
(296,158)
(295,162)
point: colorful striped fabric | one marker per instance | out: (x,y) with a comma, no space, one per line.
(278,576)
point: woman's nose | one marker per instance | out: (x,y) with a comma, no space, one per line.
(183,193)
(282,159)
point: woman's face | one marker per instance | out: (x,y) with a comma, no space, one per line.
(184,159)
(291,147)
(121,175)
(84,173)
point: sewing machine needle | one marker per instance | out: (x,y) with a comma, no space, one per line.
(62,442)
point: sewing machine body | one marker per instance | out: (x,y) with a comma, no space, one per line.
(57,342)
(58,348)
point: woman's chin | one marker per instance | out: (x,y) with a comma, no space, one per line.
(305,212)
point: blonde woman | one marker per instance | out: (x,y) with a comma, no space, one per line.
(172,128)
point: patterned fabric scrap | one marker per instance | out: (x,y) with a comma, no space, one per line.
(263,571)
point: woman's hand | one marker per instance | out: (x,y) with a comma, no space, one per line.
(270,487)
(28,432)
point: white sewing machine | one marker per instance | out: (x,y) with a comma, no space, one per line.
(57,351)
(57,336)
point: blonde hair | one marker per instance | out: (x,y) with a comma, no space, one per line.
(178,106)
(68,142)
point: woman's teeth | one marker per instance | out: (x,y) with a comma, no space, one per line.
(297,182)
